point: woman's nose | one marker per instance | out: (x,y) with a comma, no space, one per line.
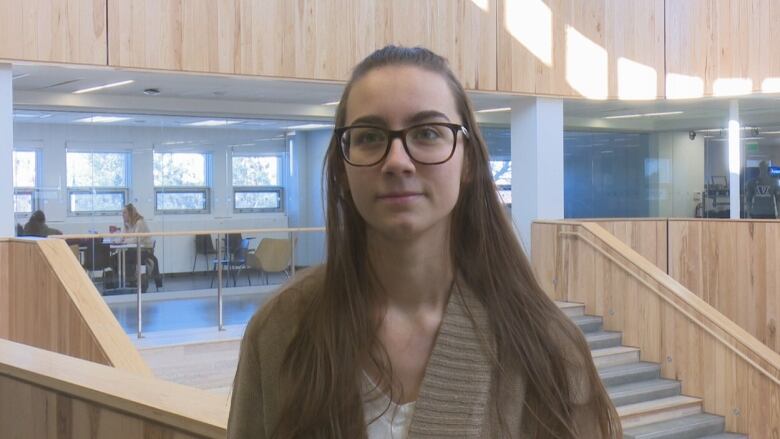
(397,160)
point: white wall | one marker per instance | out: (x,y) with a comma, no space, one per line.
(684,160)
(311,246)
(175,254)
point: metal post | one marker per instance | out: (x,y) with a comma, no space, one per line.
(292,254)
(221,326)
(138,284)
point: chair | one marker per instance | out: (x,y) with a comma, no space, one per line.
(203,246)
(272,256)
(97,256)
(19,230)
(237,260)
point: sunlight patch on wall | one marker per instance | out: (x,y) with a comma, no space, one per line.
(683,86)
(732,86)
(636,81)
(587,65)
(482,4)
(530,23)
(770,85)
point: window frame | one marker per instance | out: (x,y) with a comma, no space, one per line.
(208,164)
(33,191)
(97,191)
(94,190)
(279,189)
(206,191)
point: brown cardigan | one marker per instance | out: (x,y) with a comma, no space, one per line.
(457,390)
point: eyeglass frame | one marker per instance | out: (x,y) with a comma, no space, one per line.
(401,134)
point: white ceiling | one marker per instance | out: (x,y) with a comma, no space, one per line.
(250,98)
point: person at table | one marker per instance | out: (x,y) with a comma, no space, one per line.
(36,226)
(134,223)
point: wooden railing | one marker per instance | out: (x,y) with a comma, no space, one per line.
(736,375)
(48,301)
(44,395)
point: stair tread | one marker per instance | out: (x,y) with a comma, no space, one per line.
(725,436)
(586,319)
(627,368)
(656,405)
(642,385)
(600,335)
(595,353)
(563,305)
(674,426)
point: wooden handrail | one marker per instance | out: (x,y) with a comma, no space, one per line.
(740,336)
(185,408)
(190,233)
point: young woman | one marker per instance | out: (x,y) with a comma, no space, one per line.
(426,320)
(134,223)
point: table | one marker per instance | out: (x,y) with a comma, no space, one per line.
(121,249)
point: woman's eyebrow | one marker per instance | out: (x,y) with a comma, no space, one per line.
(369,120)
(426,115)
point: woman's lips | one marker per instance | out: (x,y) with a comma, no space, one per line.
(399,197)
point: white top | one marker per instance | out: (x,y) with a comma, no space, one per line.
(394,419)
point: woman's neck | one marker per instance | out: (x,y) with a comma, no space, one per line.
(415,275)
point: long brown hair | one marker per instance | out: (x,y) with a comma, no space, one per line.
(337,333)
(132,215)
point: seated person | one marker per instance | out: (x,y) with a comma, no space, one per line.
(134,223)
(36,226)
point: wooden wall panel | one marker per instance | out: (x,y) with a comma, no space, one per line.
(735,267)
(646,237)
(68,31)
(306,39)
(692,341)
(534,55)
(53,305)
(5,296)
(708,40)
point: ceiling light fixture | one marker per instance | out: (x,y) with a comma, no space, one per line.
(19,76)
(332,103)
(101,87)
(101,119)
(309,126)
(213,123)
(494,110)
(631,116)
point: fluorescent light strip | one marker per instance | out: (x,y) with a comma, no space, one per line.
(101,87)
(101,119)
(331,103)
(631,116)
(212,123)
(494,110)
(309,126)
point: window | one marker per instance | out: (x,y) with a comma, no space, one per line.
(25,181)
(502,175)
(97,182)
(181,182)
(257,185)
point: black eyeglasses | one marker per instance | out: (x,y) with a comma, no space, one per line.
(427,144)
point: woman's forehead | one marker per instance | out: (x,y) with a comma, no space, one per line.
(395,93)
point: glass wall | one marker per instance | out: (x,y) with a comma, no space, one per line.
(190,175)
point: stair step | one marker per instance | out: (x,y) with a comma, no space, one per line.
(603,339)
(725,436)
(571,309)
(657,410)
(687,427)
(629,373)
(588,323)
(633,393)
(616,356)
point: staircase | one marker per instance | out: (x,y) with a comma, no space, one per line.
(649,406)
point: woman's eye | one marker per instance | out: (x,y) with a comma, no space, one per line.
(426,133)
(366,138)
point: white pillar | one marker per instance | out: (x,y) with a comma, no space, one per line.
(6,151)
(735,159)
(537,163)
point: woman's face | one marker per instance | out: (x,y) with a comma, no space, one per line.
(398,197)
